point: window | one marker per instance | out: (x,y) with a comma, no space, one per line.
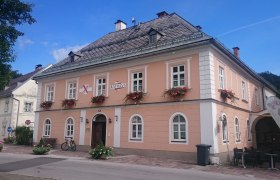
(224,129)
(49,92)
(6,109)
(178,76)
(221,78)
(257,97)
(178,129)
(101,86)
(137,82)
(72,90)
(28,107)
(237,130)
(249,134)
(243,89)
(69,128)
(47,127)
(136,128)
(3,129)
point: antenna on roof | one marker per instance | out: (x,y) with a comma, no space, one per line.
(133,21)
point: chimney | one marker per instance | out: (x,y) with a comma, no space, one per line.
(120,25)
(198,27)
(162,14)
(38,66)
(236,52)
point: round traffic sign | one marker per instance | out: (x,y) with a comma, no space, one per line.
(27,122)
(9,129)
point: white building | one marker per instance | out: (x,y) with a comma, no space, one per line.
(18,101)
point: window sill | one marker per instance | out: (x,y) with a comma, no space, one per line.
(179,142)
(244,100)
(135,140)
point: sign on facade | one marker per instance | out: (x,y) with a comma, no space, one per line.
(85,89)
(118,85)
(273,107)
(9,129)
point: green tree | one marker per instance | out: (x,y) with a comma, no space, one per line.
(12,14)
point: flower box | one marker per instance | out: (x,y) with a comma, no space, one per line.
(68,103)
(46,104)
(135,97)
(227,94)
(176,92)
(98,99)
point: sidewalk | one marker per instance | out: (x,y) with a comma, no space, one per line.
(170,163)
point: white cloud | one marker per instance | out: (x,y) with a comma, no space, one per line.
(60,54)
(24,42)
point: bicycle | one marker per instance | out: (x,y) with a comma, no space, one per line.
(68,145)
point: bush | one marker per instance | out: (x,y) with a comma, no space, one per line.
(101,152)
(9,140)
(23,135)
(40,150)
(46,141)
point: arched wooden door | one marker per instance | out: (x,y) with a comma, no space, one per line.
(98,136)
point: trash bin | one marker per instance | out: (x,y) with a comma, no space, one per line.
(203,154)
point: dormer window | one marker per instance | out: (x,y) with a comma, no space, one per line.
(73,56)
(154,36)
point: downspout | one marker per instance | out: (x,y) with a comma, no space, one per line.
(18,108)
(263,98)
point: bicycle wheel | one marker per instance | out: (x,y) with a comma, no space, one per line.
(73,146)
(64,146)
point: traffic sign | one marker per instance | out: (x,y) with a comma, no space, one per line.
(9,129)
(27,122)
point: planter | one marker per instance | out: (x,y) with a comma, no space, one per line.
(135,97)
(46,104)
(227,94)
(68,103)
(176,92)
(98,99)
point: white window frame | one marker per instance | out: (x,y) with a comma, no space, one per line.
(237,130)
(96,77)
(69,133)
(138,85)
(102,85)
(171,130)
(67,92)
(130,136)
(221,77)
(133,70)
(178,73)
(257,97)
(50,94)
(225,129)
(47,128)
(244,90)
(26,108)
(6,109)
(183,61)
(249,134)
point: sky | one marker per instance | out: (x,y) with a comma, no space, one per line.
(65,25)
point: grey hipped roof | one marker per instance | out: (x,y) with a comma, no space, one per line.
(14,83)
(124,44)
(130,41)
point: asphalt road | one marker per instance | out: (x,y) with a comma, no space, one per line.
(79,169)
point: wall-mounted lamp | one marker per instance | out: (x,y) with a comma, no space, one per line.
(110,120)
(116,118)
(87,121)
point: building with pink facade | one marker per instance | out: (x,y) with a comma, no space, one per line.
(158,88)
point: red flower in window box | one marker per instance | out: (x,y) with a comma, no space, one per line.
(227,94)
(46,104)
(98,99)
(135,97)
(68,103)
(176,92)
